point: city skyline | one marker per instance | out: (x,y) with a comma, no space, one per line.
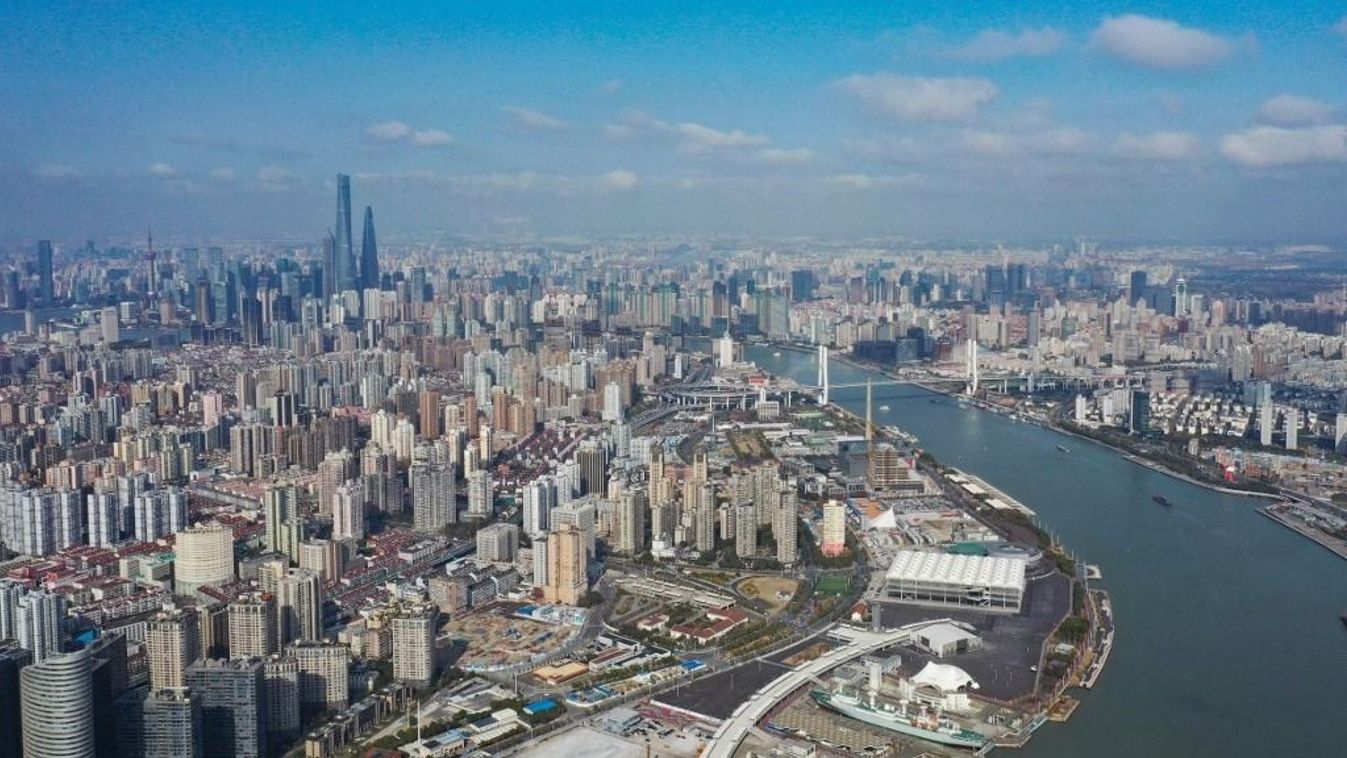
(1137,121)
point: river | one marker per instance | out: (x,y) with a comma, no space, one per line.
(1228,639)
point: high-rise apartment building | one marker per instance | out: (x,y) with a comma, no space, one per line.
(323,675)
(567,566)
(413,629)
(252,626)
(434,500)
(172,643)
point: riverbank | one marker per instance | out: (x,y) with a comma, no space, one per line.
(1295,516)
(1048,423)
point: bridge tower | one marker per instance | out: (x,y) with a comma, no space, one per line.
(823,374)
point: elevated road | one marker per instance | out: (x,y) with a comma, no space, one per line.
(856,643)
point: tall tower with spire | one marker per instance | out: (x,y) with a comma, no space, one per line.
(152,259)
(369,254)
(345,273)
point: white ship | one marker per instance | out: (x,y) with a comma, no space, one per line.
(920,722)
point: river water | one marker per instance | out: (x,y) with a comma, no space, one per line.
(1228,640)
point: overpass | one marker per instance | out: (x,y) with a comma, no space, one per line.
(855,643)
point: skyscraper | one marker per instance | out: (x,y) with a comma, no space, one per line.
(299,606)
(172,642)
(322,675)
(414,645)
(369,254)
(252,626)
(567,567)
(434,503)
(233,714)
(345,274)
(171,724)
(12,660)
(46,290)
(58,707)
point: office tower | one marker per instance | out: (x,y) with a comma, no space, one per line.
(369,254)
(170,724)
(299,606)
(172,643)
(109,678)
(58,707)
(498,543)
(345,273)
(592,459)
(39,620)
(414,645)
(567,566)
(746,530)
(46,289)
(833,539)
(252,626)
(203,555)
(785,528)
(1139,413)
(12,660)
(233,707)
(281,677)
(1292,416)
(630,528)
(322,674)
(481,497)
(434,503)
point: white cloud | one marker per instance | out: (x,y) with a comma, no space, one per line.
(611,87)
(871,181)
(529,120)
(918,98)
(276,179)
(777,156)
(399,131)
(695,138)
(431,138)
(994,44)
(56,171)
(620,179)
(1271,146)
(1159,42)
(161,170)
(700,140)
(389,131)
(1340,28)
(1159,146)
(223,175)
(1058,140)
(1294,110)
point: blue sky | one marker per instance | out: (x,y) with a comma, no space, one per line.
(1028,120)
